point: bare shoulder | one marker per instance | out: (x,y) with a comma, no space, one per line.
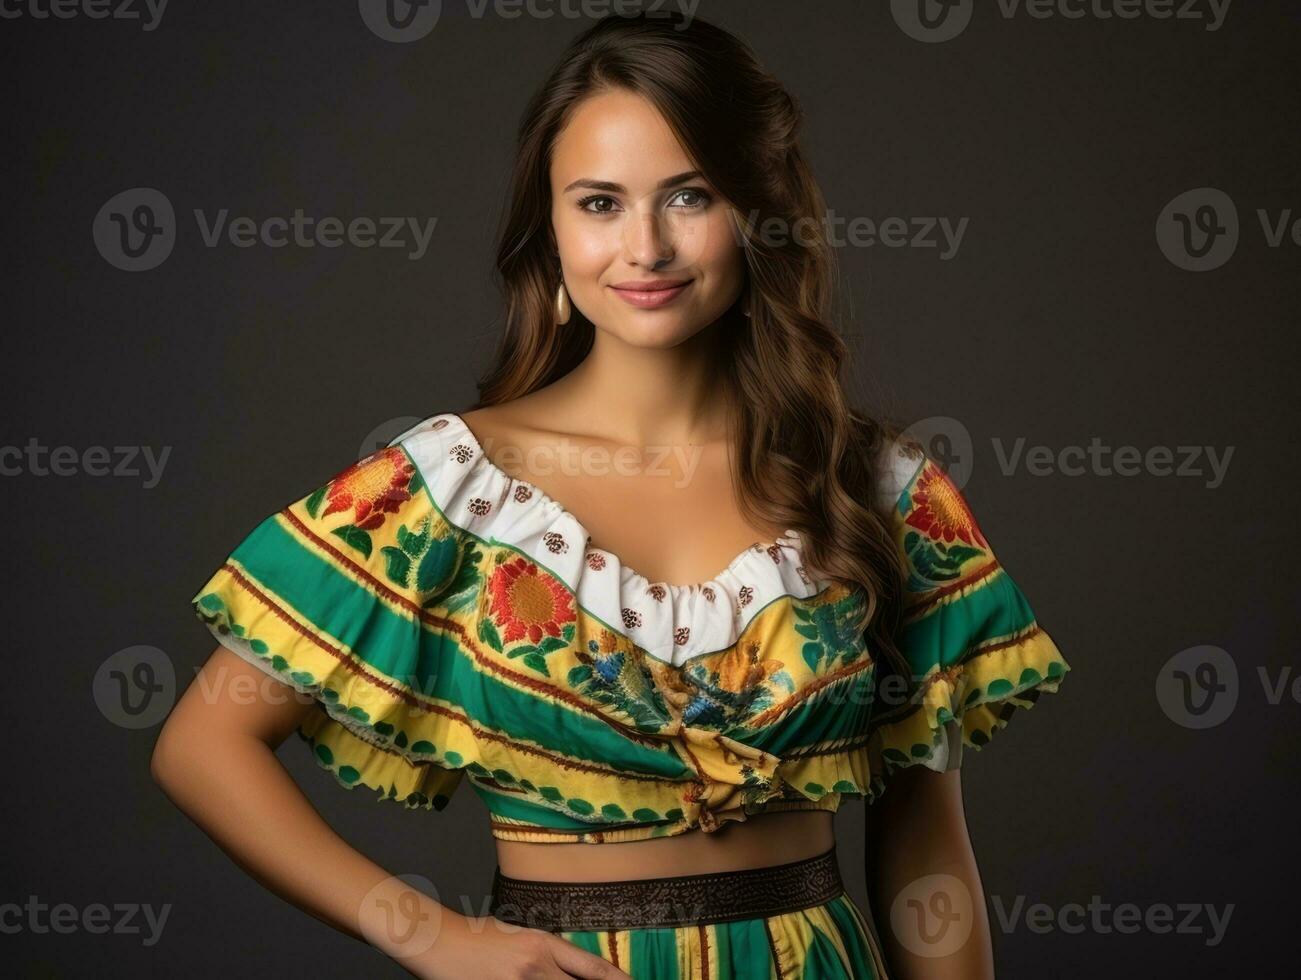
(513,433)
(515,423)
(535,419)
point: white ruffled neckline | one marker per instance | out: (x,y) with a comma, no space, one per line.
(553,507)
(673,622)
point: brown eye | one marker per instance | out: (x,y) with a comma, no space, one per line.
(595,198)
(696,198)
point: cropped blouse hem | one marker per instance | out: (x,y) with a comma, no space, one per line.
(506,830)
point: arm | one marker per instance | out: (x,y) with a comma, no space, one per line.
(974,655)
(215,759)
(917,829)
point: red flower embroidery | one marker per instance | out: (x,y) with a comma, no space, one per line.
(939,510)
(372,487)
(525,601)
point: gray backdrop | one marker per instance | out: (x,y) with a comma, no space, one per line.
(1126,276)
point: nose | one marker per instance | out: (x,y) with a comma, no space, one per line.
(647,241)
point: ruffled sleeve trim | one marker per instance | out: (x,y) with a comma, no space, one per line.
(329,596)
(972,700)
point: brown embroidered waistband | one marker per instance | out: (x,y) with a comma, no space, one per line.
(723,896)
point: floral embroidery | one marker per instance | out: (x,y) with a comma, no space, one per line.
(372,487)
(949,538)
(681,635)
(461,453)
(732,684)
(595,561)
(435,562)
(555,542)
(939,510)
(829,632)
(617,677)
(478,506)
(631,618)
(522,493)
(657,592)
(742,667)
(527,603)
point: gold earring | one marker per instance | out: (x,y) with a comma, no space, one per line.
(563,309)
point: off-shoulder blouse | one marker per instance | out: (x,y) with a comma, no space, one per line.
(452,621)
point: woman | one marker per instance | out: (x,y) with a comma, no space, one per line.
(445,616)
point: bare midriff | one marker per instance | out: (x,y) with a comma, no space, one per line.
(760,841)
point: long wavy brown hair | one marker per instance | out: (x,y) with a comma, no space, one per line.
(807,456)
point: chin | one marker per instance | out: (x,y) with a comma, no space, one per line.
(656,330)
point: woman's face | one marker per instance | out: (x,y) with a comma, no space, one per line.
(631,217)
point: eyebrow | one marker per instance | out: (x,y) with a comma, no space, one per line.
(612,187)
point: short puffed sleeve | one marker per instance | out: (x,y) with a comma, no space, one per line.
(974,648)
(337,595)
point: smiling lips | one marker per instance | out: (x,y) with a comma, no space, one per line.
(650,292)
